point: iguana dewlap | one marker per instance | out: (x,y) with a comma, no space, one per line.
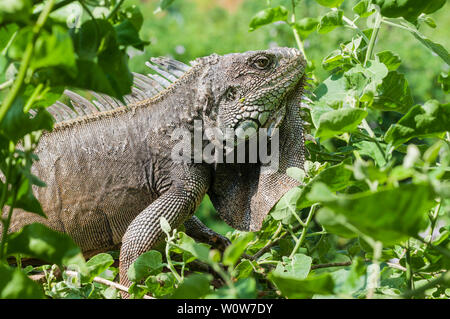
(108,167)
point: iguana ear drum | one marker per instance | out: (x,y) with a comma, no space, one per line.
(246,129)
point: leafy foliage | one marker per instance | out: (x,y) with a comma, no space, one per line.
(371,219)
(43,56)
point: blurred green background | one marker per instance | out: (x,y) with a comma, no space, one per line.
(192,28)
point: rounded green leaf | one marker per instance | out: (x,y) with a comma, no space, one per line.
(306,26)
(295,288)
(330,3)
(40,242)
(14,284)
(147,264)
(268,16)
(330,21)
(236,249)
(339,121)
(97,264)
(429,119)
(193,287)
(389,215)
(409,9)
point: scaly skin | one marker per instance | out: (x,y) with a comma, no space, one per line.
(110,176)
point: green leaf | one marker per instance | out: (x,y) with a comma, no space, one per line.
(425,120)
(127,34)
(285,207)
(96,265)
(26,200)
(236,249)
(38,241)
(243,289)
(373,150)
(246,288)
(339,121)
(444,81)
(17,124)
(390,59)
(243,270)
(54,50)
(193,287)
(198,250)
(14,284)
(332,222)
(330,3)
(268,16)
(393,94)
(134,15)
(388,215)
(333,90)
(297,267)
(306,26)
(296,173)
(15,10)
(362,9)
(147,264)
(318,110)
(336,59)
(6,33)
(161,285)
(433,46)
(295,288)
(165,226)
(409,9)
(357,83)
(428,20)
(349,281)
(102,65)
(330,21)
(163,5)
(336,177)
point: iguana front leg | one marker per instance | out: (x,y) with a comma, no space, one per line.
(176,205)
(200,232)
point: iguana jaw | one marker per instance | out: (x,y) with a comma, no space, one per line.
(275,92)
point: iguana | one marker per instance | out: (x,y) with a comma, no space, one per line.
(108,166)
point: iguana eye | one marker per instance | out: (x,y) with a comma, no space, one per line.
(230,94)
(262,62)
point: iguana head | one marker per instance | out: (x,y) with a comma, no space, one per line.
(259,89)
(248,90)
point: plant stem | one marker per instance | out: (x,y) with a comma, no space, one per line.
(375,276)
(294,30)
(299,242)
(395,25)
(55,7)
(444,278)
(114,10)
(409,272)
(6,224)
(353,26)
(373,37)
(18,83)
(11,40)
(169,261)
(267,246)
(433,220)
(6,84)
